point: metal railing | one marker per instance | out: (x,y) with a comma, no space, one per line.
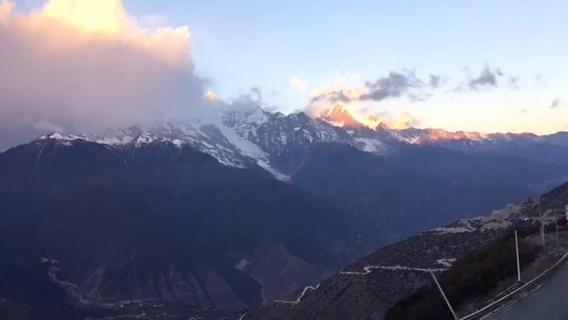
(496,302)
(542,218)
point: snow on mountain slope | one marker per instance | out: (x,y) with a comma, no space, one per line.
(297,129)
(206,138)
(255,137)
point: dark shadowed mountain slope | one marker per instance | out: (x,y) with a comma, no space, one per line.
(194,215)
(369,287)
(156,223)
(389,179)
(416,187)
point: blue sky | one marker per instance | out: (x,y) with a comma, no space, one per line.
(243,44)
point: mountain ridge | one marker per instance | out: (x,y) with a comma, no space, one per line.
(256,137)
(195,215)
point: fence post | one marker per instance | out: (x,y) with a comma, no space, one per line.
(541,224)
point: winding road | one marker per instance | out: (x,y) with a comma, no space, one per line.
(299,299)
(369,269)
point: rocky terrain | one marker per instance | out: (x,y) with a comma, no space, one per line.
(371,286)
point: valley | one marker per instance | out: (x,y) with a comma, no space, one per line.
(203,217)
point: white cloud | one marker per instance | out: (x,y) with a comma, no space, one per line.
(82,65)
(153,21)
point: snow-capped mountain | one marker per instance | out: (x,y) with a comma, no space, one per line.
(185,192)
(240,139)
(147,222)
(256,137)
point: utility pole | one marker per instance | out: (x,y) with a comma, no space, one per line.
(444,296)
(557,235)
(517,251)
(541,224)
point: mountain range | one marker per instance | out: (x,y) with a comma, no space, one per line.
(237,212)
(370,172)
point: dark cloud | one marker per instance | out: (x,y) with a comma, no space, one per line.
(435,81)
(392,86)
(257,93)
(487,78)
(405,83)
(514,82)
(395,85)
(556,102)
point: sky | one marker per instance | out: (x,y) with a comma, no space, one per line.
(265,44)
(489,66)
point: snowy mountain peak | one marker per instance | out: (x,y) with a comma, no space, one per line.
(60,137)
(255,137)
